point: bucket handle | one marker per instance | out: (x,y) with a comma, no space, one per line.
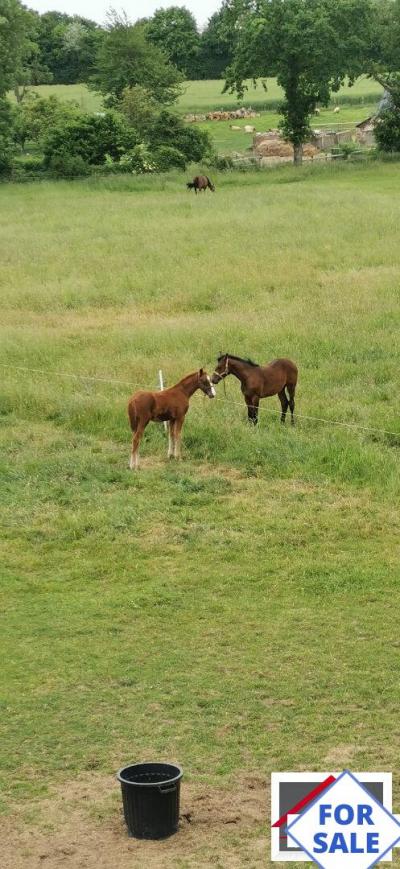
(167,790)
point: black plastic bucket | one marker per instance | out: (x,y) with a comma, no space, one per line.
(150,795)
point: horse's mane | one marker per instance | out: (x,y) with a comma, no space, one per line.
(239,359)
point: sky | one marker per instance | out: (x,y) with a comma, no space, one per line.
(96,9)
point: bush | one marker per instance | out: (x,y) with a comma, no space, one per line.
(5,139)
(139,108)
(68,166)
(138,160)
(387,130)
(90,137)
(166,158)
(28,169)
(169,129)
(221,163)
(33,118)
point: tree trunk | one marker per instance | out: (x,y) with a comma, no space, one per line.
(19,92)
(298,154)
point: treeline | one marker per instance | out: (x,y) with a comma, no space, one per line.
(310,46)
(62,49)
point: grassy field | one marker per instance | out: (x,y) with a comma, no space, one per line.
(203,96)
(236,612)
(228,141)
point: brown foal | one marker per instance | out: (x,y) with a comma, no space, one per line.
(260,381)
(171,405)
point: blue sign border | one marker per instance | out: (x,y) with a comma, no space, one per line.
(318,798)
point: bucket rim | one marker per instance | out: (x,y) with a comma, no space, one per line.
(165,782)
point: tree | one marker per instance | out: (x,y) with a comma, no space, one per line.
(126,59)
(139,108)
(175,31)
(384,55)
(387,129)
(311,46)
(216,46)
(68,46)
(33,118)
(5,137)
(15,43)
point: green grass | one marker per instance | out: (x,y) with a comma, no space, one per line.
(228,141)
(237,611)
(203,96)
(87,100)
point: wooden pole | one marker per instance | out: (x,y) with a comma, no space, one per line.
(161,382)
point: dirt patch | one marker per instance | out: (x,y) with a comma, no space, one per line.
(81,827)
(340,756)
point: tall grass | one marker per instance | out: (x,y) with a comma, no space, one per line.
(238,611)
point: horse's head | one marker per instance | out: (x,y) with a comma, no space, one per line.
(221,368)
(205,384)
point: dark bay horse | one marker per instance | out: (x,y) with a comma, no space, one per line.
(200,182)
(260,381)
(171,405)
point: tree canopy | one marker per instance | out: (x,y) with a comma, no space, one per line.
(216,44)
(175,31)
(126,59)
(310,46)
(68,46)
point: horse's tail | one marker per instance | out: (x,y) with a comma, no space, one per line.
(190,185)
(132,415)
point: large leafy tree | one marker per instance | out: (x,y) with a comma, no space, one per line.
(68,46)
(311,46)
(216,45)
(126,59)
(384,66)
(384,56)
(175,31)
(17,45)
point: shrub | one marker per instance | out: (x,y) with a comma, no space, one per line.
(90,137)
(139,108)
(221,163)
(387,130)
(68,166)
(27,169)
(166,157)
(33,118)
(169,129)
(138,160)
(5,139)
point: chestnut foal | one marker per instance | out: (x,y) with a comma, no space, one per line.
(171,405)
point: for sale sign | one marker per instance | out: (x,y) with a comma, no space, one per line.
(335,820)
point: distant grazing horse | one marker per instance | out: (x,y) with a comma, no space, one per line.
(260,381)
(200,182)
(171,405)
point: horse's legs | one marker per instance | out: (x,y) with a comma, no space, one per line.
(134,459)
(178,429)
(171,439)
(252,402)
(291,388)
(284,403)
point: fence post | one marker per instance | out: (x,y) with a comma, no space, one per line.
(161,382)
